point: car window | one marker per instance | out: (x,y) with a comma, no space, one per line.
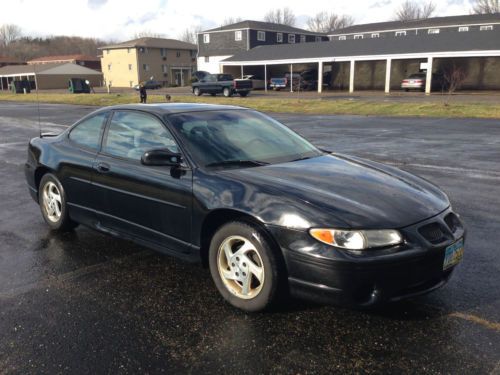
(88,132)
(131,134)
(218,136)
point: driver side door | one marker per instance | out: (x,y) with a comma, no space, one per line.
(151,203)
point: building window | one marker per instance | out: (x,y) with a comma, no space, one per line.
(279,37)
(129,66)
(302,39)
(359,36)
(145,67)
(261,36)
(178,54)
(206,38)
(486,28)
(291,38)
(318,39)
(207,59)
(109,67)
(375,35)
(164,68)
(238,35)
(342,37)
(401,33)
(163,52)
(142,50)
(463,29)
(433,31)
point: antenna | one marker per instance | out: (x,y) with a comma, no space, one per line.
(37,102)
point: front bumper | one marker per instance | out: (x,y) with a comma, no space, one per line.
(326,274)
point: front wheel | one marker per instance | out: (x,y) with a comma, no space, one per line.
(227,92)
(244,266)
(52,201)
(196,91)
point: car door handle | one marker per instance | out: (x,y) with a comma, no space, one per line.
(102,167)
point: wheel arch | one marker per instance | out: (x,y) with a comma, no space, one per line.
(40,171)
(217,218)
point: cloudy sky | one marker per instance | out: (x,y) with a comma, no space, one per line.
(122,19)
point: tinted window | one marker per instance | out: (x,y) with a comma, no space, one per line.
(218,136)
(88,132)
(131,134)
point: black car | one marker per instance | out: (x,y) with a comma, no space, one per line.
(149,85)
(266,210)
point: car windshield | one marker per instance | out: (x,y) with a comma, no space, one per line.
(238,139)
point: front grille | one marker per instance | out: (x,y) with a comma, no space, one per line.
(453,222)
(432,232)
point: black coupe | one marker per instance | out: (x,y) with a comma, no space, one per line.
(266,210)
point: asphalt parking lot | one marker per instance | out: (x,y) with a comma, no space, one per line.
(83,302)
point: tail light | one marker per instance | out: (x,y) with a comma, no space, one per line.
(405,81)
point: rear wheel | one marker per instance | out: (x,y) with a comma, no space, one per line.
(52,201)
(244,266)
(196,91)
(227,92)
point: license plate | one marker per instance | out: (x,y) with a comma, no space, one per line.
(453,254)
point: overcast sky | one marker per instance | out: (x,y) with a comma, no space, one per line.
(121,19)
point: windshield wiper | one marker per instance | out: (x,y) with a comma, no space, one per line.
(253,163)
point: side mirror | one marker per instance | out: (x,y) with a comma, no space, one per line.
(161,157)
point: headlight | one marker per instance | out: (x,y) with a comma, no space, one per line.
(357,239)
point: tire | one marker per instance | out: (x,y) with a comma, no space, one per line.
(197,91)
(243,94)
(262,286)
(52,201)
(227,92)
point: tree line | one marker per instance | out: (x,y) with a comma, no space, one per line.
(15,44)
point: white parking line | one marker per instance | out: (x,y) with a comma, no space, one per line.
(4,145)
(474,173)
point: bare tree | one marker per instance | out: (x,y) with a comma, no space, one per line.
(454,75)
(324,22)
(190,35)
(9,33)
(231,20)
(414,10)
(283,16)
(486,7)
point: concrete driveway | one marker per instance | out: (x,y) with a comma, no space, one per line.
(84,302)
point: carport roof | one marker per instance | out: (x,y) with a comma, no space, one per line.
(446,44)
(46,69)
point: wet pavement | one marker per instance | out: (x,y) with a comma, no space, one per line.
(84,302)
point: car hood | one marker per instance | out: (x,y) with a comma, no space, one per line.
(356,192)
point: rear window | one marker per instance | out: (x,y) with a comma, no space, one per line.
(88,132)
(224,77)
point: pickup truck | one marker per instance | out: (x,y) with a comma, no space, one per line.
(225,84)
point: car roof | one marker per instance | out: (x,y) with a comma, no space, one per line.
(168,108)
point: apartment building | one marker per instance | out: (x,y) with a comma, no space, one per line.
(168,61)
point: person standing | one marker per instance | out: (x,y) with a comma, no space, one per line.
(143,94)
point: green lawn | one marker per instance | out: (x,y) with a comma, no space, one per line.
(273,104)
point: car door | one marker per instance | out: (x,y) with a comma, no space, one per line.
(152,203)
(75,173)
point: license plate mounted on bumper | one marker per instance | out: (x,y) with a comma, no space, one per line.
(453,254)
